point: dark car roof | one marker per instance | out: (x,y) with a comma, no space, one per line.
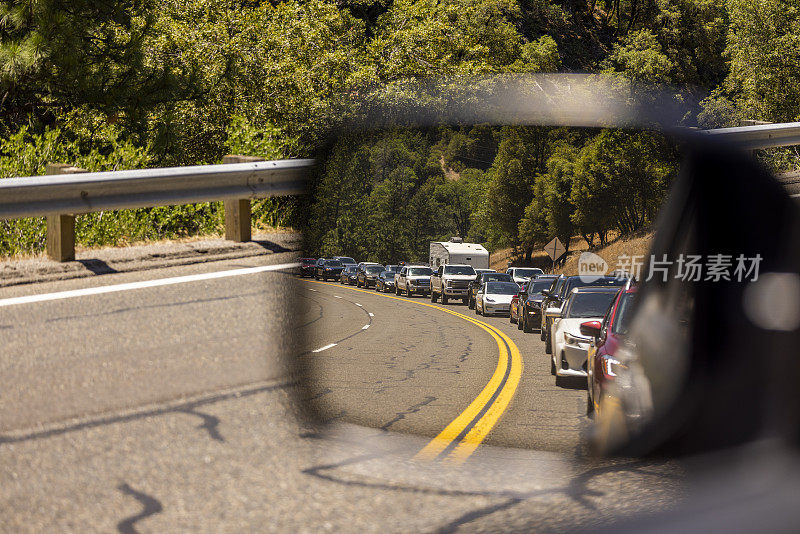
(501,277)
(577,281)
(596,289)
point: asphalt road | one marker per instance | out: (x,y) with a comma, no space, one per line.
(171,407)
(416,368)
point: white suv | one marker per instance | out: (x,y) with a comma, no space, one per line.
(523,274)
(452,281)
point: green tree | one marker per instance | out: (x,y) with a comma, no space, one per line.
(621,178)
(763,47)
(520,158)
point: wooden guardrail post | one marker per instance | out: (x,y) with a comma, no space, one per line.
(237,211)
(61,227)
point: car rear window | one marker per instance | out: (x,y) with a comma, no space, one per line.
(535,287)
(527,273)
(585,305)
(502,288)
(497,277)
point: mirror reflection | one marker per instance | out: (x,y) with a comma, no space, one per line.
(475,284)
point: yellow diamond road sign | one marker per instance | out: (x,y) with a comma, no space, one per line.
(555,249)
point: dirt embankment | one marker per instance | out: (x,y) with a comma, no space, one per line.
(631,245)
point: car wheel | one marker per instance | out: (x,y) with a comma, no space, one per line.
(444,298)
(561,381)
(511,317)
(521,321)
(433,296)
(526,326)
(589,405)
(542,329)
(552,366)
(408,291)
(464,300)
(477,310)
(548,348)
(471,304)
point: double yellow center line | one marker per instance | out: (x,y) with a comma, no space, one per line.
(462,436)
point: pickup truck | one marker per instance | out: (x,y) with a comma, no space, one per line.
(413,279)
(452,281)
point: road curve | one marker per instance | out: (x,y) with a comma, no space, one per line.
(429,369)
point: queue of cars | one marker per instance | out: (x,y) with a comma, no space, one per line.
(582,321)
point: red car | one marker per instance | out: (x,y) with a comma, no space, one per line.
(307,266)
(609,337)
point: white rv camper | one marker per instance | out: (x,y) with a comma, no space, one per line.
(457,252)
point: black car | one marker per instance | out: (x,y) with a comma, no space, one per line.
(385,281)
(368,275)
(348,275)
(548,297)
(530,302)
(328,269)
(558,297)
(482,278)
(307,267)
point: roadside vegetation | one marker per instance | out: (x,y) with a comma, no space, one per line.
(105,84)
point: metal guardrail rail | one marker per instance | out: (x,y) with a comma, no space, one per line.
(67,191)
(97,191)
(760,136)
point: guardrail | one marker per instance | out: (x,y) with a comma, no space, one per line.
(68,191)
(760,135)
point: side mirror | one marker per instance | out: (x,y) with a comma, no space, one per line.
(591,328)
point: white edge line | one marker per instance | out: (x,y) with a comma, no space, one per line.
(29,299)
(326,347)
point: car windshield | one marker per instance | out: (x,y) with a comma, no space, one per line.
(387,274)
(584,305)
(459,269)
(526,273)
(501,288)
(333,263)
(351,269)
(622,319)
(497,277)
(535,287)
(419,271)
(373,269)
(345,259)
